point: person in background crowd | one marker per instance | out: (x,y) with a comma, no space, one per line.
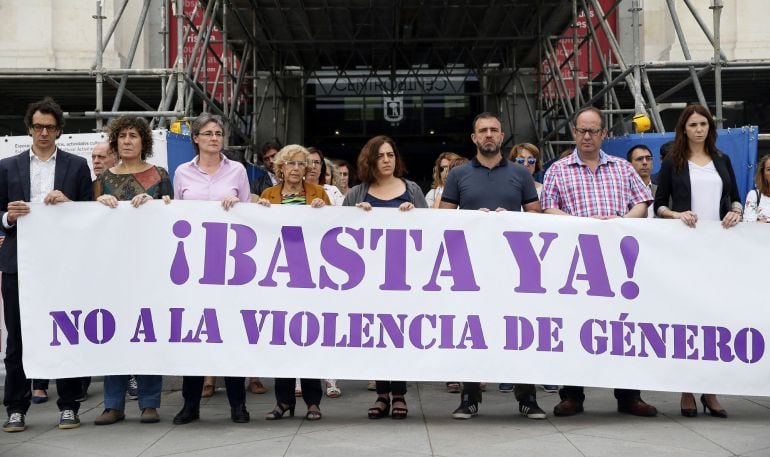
(134,180)
(103,158)
(440,170)
(490,182)
(30,177)
(291,164)
(640,157)
(345,179)
(757,208)
(266,176)
(380,169)
(211,176)
(591,183)
(316,174)
(665,148)
(528,155)
(698,182)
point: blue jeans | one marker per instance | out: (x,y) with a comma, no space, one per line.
(115,388)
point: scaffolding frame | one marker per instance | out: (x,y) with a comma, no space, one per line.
(266,63)
(616,73)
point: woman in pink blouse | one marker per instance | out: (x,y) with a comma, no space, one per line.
(211,176)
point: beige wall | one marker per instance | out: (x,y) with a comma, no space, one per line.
(61,34)
(745,33)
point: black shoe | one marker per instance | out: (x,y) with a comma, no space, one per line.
(467,408)
(239,415)
(69,419)
(720,413)
(187,415)
(530,408)
(15,423)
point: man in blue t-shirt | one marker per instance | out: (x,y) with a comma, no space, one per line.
(490,182)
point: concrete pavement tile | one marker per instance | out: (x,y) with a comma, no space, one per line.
(273,447)
(758,453)
(33,449)
(595,446)
(217,435)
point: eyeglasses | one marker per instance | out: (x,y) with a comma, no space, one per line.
(643,159)
(210,134)
(295,163)
(592,132)
(314,163)
(40,127)
(529,160)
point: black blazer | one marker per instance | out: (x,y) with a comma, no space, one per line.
(71,176)
(676,186)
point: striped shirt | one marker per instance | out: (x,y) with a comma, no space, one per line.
(612,190)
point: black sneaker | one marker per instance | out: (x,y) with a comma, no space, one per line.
(530,408)
(467,408)
(15,423)
(133,388)
(68,419)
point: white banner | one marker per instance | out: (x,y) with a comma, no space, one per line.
(82,144)
(425,295)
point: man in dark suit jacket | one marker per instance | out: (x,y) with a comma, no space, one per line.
(45,174)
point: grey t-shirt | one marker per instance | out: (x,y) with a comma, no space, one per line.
(473,186)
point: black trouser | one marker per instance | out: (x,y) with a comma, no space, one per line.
(397,388)
(473,390)
(576,393)
(42,384)
(311,391)
(192,389)
(17,386)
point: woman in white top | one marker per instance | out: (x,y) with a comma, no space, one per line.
(758,200)
(528,155)
(696,182)
(316,174)
(440,171)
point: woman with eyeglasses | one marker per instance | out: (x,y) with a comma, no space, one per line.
(697,183)
(211,176)
(291,164)
(528,155)
(380,169)
(134,180)
(440,171)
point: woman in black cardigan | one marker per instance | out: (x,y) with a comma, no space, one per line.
(697,182)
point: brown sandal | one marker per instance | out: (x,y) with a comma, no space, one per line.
(377,411)
(399,412)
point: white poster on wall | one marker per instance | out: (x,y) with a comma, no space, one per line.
(82,144)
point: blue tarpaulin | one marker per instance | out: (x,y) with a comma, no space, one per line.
(740,144)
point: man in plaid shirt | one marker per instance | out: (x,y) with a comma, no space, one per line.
(591,183)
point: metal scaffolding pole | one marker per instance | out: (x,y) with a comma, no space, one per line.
(132,53)
(99,63)
(180,76)
(686,51)
(606,74)
(703,25)
(717,9)
(635,29)
(225,75)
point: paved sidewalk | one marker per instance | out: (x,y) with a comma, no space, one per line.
(429,430)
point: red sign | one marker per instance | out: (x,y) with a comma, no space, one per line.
(587,52)
(211,74)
